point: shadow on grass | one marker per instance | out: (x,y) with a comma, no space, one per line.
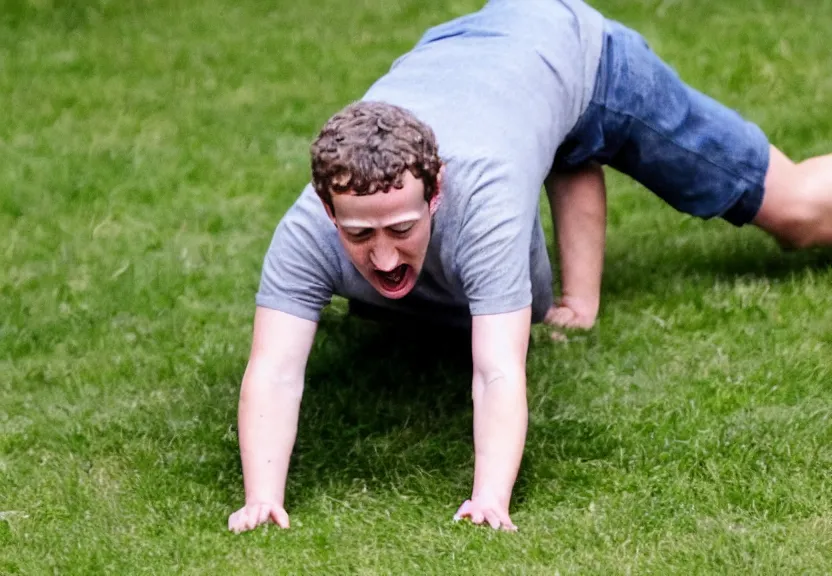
(390,409)
(747,259)
(383,404)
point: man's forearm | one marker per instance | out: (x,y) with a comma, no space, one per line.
(500,423)
(579,210)
(267,421)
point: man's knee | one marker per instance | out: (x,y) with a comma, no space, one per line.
(799,225)
(798,234)
(794,210)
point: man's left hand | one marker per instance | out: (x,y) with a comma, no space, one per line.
(484,509)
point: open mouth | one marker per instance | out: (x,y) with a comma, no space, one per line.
(395,279)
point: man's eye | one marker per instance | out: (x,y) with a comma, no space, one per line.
(359,234)
(402,228)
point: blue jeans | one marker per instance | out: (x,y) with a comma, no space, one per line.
(696,154)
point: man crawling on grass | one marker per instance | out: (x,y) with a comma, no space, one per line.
(424,201)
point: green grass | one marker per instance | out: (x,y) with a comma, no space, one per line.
(147,150)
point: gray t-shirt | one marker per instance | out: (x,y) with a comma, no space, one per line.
(501,88)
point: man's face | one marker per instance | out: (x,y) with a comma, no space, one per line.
(386,234)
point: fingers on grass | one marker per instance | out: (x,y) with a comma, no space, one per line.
(263,513)
(236,522)
(506,523)
(240,521)
(463,511)
(493,519)
(565,317)
(468,510)
(560,316)
(559,337)
(477,517)
(280,517)
(251,519)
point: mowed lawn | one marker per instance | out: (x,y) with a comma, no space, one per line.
(148,149)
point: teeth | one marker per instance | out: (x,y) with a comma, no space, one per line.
(396,275)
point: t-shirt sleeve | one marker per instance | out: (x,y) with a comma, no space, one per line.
(493,247)
(299,269)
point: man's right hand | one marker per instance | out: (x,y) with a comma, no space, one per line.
(573,313)
(252,515)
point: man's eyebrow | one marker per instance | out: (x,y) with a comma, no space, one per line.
(356,224)
(400,222)
(411,217)
(402,218)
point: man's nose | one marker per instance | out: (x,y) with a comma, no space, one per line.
(383,257)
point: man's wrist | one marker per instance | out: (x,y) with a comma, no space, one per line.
(501,497)
(583,305)
(263,497)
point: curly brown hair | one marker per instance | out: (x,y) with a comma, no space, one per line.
(366,148)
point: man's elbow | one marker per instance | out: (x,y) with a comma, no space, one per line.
(264,377)
(499,376)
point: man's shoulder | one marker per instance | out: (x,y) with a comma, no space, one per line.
(303,264)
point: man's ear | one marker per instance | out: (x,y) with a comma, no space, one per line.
(437,196)
(329,212)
